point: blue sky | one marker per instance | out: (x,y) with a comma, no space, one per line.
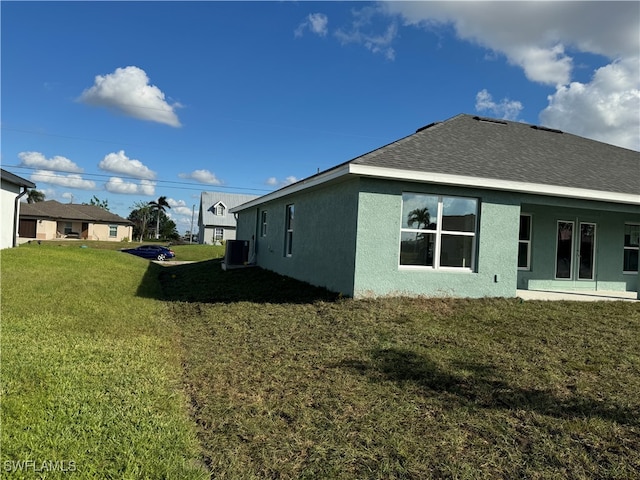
(128,101)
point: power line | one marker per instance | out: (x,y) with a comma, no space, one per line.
(156,182)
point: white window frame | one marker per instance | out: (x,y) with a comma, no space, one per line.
(527,242)
(218,234)
(263,222)
(288,234)
(630,247)
(113,231)
(439,232)
(219,209)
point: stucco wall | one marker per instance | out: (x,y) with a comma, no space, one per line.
(50,230)
(609,219)
(8,194)
(101,232)
(47,229)
(323,238)
(378,247)
(347,239)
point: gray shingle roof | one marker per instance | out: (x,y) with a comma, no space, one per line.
(15,179)
(504,150)
(70,211)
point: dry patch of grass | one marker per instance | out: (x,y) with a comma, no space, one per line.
(411,388)
(287,381)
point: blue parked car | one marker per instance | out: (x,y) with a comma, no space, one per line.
(152,252)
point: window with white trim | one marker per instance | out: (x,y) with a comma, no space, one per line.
(288,237)
(524,243)
(113,231)
(263,223)
(438,231)
(218,234)
(631,247)
(219,210)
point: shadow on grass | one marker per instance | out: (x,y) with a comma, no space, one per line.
(206,282)
(483,386)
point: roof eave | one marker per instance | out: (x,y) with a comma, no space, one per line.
(17,180)
(494,184)
(443,179)
(304,184)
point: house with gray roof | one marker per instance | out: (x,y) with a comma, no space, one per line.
(50,220)
(468,207)
(12,189)
(215,221)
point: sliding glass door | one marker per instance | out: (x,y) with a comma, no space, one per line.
(575,248)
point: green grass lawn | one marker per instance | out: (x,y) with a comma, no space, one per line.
(91,376)
(135,370)
(184,252)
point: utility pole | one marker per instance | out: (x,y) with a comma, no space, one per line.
(193,211)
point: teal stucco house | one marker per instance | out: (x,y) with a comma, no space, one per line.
(468,207)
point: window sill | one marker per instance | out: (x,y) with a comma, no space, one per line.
(418,268)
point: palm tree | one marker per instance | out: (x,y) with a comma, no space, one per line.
(34,196)
(420,216)
(159,206)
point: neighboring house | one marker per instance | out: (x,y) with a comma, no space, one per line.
(215,222)
(469,207)
(13,188)
(50,219)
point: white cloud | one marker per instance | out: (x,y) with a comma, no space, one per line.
(120,163)
(533,35)
(176,203)
(538,37)
(179,207)
(506,109)
(127,90)
(118,185)
(70,181)
(361,33)
(202,176)
(185,211)
(316,23)
(38,160)
(543,65)
(606,109)
(274,182)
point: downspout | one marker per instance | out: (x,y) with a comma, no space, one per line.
(16,216)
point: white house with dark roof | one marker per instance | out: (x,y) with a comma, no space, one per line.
(468,207)
(215,222)
(50,220)
(13,188)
